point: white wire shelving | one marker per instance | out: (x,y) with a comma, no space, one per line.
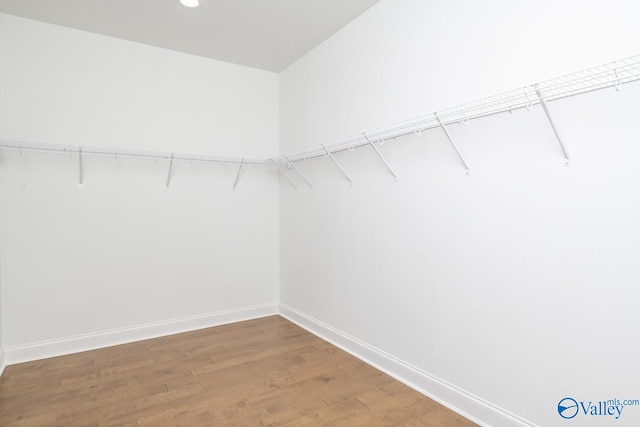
(81,151)
(125,153)
(611,75)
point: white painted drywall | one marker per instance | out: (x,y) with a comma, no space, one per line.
(124,251)
(517,284)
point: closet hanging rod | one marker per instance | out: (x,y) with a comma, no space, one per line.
(612,75)
(120,152)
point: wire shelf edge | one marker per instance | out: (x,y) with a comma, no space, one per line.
(613,74)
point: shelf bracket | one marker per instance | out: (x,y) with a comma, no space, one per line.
(170,169)
(453,144)
(298,170)
(328,154)
(286,175)
(380,155)
(80,169)
(238,174)
(553,126)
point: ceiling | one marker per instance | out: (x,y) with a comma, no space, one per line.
(269,35)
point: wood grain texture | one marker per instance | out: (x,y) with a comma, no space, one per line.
(263,372)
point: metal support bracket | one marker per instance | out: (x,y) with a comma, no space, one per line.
(80,169)
(293,165)
(170,169)
(286,175)
(238,174)
(380,155)
(453,144)
(328,154)
(553,126)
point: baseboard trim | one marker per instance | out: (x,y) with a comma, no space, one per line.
(466,404)
(76,344)
(2,365)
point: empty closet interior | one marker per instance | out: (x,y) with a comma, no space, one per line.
(447,190)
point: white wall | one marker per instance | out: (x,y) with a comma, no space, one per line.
(124,251)
(516,284)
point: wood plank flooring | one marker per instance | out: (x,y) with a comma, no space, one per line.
(264,372)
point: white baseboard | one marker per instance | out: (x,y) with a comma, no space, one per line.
(76,344)
(466,404)
(2,365)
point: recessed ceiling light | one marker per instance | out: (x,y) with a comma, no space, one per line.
(190,3)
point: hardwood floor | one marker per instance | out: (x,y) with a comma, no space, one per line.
(264,372)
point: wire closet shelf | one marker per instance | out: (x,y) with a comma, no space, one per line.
(124,152)
(612,75)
